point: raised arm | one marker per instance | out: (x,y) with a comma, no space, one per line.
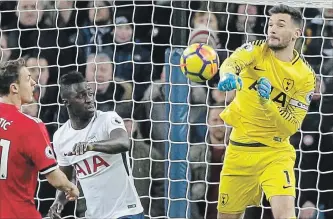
(241,58)
(232,66)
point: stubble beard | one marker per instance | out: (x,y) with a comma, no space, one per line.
(279,46)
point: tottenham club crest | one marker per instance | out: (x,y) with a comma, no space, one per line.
(224,198)
(288,84)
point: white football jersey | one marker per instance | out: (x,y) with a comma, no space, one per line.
(106,179)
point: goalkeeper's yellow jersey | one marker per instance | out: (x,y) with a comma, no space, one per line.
(272,123)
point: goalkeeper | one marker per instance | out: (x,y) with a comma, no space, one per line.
(274,89)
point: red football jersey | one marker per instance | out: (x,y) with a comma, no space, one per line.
(24,151)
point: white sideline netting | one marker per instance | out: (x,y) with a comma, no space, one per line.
(130,78)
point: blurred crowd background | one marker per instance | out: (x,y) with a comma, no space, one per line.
(119,46)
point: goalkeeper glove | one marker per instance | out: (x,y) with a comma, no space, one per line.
(230,82)
(264,88)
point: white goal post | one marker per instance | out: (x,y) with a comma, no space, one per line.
(123,50)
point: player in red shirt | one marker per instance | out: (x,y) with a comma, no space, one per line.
(24,147)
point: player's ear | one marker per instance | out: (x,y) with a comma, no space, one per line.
(297,34)
(14,88)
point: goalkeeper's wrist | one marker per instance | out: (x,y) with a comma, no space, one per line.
(268,107)
(222,75)
(264,101)
(227,72)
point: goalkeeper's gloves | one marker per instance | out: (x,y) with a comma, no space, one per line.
(230,82)
(264,88)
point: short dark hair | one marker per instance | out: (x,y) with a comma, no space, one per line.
(73,77)
(9,73)
(295,14)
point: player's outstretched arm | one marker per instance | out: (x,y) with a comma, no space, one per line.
(289,120)
(232,66)
(60,181)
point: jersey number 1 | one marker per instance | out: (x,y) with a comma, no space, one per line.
(4,151)
(287,176)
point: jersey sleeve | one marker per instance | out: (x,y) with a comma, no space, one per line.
(38,149)
(241,58)
(61,158)
(290,119)
(113,121)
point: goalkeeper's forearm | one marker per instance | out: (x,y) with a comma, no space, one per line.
(233,65)
(288,120)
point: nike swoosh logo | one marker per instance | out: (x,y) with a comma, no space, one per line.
(285,187)
(258,69)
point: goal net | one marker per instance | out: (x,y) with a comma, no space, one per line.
(129,53)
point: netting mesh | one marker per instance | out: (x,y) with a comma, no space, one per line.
(121,47)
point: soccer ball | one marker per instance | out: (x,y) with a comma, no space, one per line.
(199,62)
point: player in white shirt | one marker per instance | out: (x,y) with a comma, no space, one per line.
(95,144)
